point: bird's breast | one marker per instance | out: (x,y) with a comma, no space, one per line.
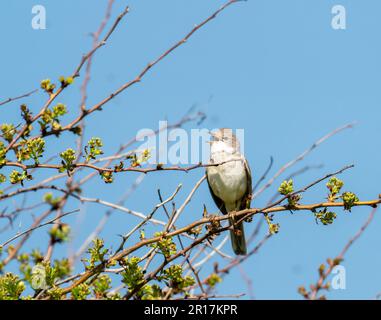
(229,180)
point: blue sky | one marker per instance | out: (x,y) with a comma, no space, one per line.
(274,68)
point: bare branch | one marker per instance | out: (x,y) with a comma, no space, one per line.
(302,156)
(18,97)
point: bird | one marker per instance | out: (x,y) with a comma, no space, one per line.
(230,182)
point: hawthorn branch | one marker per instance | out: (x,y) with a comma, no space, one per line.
(240,214)
(100,169)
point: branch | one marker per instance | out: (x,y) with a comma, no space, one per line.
(100,169)
(240,214)
(53,96)
(302,156)
(17,98)
(336,261)
(141,75)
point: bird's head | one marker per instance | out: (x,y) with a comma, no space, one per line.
(225,135)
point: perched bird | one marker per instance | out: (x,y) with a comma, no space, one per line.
(230,182)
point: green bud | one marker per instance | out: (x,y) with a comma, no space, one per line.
(334,186)
(137,161)
(286,187)
(11,287)
(47,86)
(60,233)
(326,217)
(3,159)
(52,118)
(17,177)
(76,130)
(178,282)
(31,149)
(93,149)
(107,176)
(133,273)
(80,292)
(97,253)
(59,110)
(65,81)
(101,285)
(274,228)
(213,280)
(349,199)
(165,245)
(48,198)
(8,131)
(68,157)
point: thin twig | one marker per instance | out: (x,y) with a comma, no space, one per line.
(36,227)
(302,156)
(332,263)
(18,97)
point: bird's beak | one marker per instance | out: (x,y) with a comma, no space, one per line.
(212,134)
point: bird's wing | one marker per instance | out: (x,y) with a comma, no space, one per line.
(246,199)
(219,203)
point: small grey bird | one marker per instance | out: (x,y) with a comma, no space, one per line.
(230,183)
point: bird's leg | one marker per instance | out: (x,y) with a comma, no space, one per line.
(233,221)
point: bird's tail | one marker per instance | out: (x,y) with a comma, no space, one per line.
(237,237)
